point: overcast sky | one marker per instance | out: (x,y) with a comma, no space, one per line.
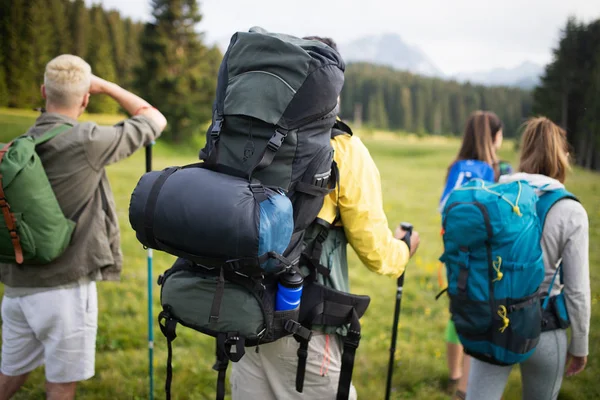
(458,35)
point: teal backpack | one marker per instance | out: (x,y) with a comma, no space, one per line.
(493,255)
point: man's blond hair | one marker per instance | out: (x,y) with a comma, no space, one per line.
(67,80)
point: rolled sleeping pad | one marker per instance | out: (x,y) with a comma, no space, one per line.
(194,212)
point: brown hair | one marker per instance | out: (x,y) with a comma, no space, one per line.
(478,140)
(544,149)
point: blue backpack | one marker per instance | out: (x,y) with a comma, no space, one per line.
(462,172)
(494,266)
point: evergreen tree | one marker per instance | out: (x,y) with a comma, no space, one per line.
(4,20)
(79,26)
(116,31)
(101,60)
(407,109)
(419,111)
(428,105)
(60,24)
(3,87)
(377,114)
(33,32)
(177,73)
(458,112)
(568,93)
(19,57)
(43,42)
(132,32)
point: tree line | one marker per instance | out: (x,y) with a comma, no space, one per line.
(569,92)
(166,62)
(163,60)
(33,32)
(389,99)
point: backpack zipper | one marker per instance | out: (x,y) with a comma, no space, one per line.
(266,73)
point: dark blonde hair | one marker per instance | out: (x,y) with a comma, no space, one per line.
(478,140)
(544,149)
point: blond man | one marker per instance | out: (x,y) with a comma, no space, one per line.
(49,313)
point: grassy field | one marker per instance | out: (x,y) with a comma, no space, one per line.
(412,171)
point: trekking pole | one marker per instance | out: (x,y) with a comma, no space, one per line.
(408,228)
(150,281)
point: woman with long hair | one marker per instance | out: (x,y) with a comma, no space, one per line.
(544,163)
(476,158)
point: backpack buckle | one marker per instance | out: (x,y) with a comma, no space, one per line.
(276,140)
(297,329)
(352,339)
(231,338)
(257,188)
(322,236)
(321,180)
(216,128)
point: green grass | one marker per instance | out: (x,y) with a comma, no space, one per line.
(412,172)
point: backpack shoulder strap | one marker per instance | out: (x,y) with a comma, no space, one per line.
(9,217)
(543,206)
(340,128)
(549,199)
(52,133)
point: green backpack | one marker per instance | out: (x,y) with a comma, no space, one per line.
(33,229)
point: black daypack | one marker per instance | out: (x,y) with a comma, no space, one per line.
(236,221)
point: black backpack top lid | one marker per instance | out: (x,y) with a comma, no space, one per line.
(279,79)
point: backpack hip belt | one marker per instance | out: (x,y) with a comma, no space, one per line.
(320,306)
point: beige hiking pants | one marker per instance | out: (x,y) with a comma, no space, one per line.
(271,374)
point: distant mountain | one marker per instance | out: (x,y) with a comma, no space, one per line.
(389,50)
(525,75)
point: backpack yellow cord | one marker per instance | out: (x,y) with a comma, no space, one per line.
(515,207)
(497,264)
(502,313)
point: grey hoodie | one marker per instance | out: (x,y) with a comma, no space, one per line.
(565,237)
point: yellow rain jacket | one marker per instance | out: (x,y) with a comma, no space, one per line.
(363,222)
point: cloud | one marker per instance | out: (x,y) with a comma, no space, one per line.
(458,35)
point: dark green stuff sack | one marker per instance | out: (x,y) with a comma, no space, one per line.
(33,228)
(240,310)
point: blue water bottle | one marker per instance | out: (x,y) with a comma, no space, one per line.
(289,291)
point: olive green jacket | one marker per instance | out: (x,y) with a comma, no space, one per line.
(74,162)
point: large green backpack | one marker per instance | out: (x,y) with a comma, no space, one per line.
(33,229)
(237,220)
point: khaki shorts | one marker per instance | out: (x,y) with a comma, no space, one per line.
(271,374)
(56,328)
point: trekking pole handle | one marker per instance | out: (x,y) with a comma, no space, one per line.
(149,157)
(408,227)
